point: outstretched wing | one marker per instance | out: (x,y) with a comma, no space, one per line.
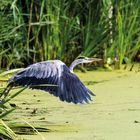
(55,77)
(72,89)
(44,75)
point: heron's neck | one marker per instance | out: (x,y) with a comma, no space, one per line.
(74,63)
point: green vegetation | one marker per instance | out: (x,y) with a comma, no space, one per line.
(33,31)
(38,30)
(9,131)
(5,131)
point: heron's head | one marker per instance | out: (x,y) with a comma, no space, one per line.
(84,59)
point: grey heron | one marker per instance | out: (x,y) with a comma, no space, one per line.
(56,78)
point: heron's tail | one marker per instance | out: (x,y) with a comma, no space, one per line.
(5,92)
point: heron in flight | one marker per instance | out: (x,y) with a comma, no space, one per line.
(56,78)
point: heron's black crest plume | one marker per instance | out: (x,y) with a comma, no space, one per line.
(54,77)
(81,57)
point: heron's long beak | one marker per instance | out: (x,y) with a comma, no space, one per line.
(94,59)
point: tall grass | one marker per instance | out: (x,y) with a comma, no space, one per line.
(5,131)
(96,28)
(41,30)
(47,27)
(126,32)
(10,130)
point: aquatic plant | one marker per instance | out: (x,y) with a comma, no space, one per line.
(41,30)
(5,131)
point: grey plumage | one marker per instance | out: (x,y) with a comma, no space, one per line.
(56,78)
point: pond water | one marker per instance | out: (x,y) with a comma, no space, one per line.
(114,113)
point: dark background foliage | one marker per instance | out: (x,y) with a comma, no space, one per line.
(32,31)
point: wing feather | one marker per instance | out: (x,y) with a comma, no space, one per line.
(74,91)
(57,80)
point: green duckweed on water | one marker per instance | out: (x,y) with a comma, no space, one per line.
(114,113)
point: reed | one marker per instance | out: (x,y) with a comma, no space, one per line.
(5,131)
(126,31)
(41,30)
(10,130)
